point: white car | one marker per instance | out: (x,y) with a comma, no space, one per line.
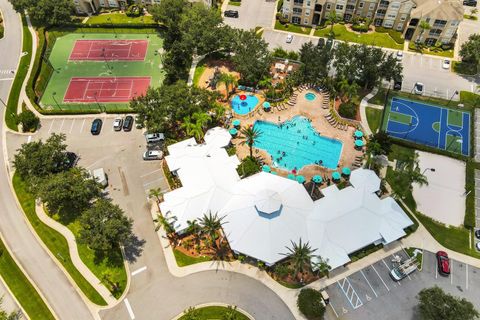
(399,55)
(419,88)
(289,38)
(117,124)
(446,64)
(154,137)
(153,155)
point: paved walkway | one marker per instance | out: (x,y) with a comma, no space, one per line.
(477,198)
(363,112)
(476,128)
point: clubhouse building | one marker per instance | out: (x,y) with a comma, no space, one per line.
(265,212)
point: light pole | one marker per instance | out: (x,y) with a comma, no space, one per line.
(429,169)
(453,95)
(54,99)
(96,100)
(105,59)
(113,26)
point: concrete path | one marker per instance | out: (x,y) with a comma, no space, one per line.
(73,250)
(476,134)
(477,198)
(363,112)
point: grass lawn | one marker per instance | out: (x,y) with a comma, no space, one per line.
(292,28)
(374,116)
(118,18)
(12,103)
(234,3)
(433,51)
(372,39)
(379,98)
(201,66)
(419,256)
(463,68)
(65,69)
(214,313)
(470,17)
(55,242)
(21,288)
(184,260)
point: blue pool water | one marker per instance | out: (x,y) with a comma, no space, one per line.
(294,144)
(245,106)
(310,96)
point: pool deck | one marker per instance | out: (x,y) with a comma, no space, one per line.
(313,111)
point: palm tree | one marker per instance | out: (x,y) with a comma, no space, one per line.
(332,18)
(219,111)
(194,228)
(210,224)
(156,193)
(424,25)
(321,266)
(201,119)
(187,125)
(197,131)
(161,221)
(301,255)
(191,314)
(230,314)
(250,135)
(229,80)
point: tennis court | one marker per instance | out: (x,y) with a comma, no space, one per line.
(100,50)
(89,79)
(434,126)
(106,89)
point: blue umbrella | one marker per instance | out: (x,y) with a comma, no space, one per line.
(233,131)
(336,175)
(300,179)
(358,143)
(317,179)
(266,168)
(346,171)
(291,176)
(266,105)
(236,122)
(358,134)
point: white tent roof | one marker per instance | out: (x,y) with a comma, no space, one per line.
(265,212)
(218,137)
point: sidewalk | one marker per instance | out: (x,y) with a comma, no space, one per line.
(363,112)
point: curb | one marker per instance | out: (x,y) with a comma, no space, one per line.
(219,304)
(29,280)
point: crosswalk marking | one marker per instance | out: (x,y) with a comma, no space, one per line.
(7,71)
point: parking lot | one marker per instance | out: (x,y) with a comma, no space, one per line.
(371,294)
(119,153)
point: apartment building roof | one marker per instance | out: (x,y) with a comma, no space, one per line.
(439,9)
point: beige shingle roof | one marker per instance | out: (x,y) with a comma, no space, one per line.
(439,9)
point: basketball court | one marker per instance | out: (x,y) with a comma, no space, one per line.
(105,89)
(434,126)
(110,50)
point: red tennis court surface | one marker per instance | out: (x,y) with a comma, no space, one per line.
(106,89)
(100,50)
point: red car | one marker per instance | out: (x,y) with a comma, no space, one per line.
(443,263)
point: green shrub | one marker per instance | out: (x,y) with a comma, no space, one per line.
(348,110)
(282,270)
(310,303)
(134,11)
(360,27)
(28,120)
(249,166)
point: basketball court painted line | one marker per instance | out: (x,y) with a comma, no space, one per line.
(140,270)
(129,309)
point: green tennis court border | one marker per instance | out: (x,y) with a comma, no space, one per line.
(52,98)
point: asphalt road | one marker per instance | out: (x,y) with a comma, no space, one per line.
(154,293)
(52,282)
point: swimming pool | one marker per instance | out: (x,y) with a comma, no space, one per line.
(242,107)
(310,96)
(294,144)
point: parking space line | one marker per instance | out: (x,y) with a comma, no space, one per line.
(436,270)
(149,173)
(129,309)
(29,139)
(466,278)
(373,267)
(358,302)
(83,123)
(368,282)
(71,127)
(139,270)
(334,311)
(451,272)
(386,265)
(152,182)
(61,126)
(51,125)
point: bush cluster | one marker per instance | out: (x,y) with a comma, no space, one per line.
(134,11)
(360,27)
(310,303)
(249,166)
(282,19)
(348,110)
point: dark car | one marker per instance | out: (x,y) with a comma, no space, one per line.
(477,234)
(128,123)
(397,84)
(329,44)
(471,3)
(231,13)
(321,43)
(443,263)
(96,127)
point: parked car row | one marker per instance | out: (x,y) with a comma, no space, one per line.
(154,144)
(118,124)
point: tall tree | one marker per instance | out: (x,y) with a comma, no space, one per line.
(315,60)
(169,13)
(228,80)
(105,226)
(46,12)
(331,19)
(211,224)
(37,159)
(470,52)
(423,25)
(301,255)
(435,304)
(250,56)
(157,194)
(250,135)
(68,193)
